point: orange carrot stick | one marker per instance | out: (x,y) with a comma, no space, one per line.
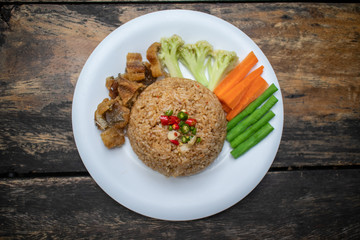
(235,94)
(254,91)
(225,107)
(237,74)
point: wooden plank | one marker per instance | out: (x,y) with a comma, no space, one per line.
(313,48)
(144,1)
(285,205)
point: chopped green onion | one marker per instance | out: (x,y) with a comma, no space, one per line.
(193,130)
(184,139)
(183,116)
(185,128)
(169,112)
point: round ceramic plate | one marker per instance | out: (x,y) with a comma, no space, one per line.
(120,173)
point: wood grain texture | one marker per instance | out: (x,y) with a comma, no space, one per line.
(286,205)
(143,1)
(313,48)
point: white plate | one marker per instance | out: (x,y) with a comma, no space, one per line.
(120,173)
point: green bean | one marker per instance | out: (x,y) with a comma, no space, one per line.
(251,130)
(252,141)
(252,106)
(251,119)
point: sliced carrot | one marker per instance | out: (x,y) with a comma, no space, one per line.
(254,91)
(237,74)
(232,97)
(225,107)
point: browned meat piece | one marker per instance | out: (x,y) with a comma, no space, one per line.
(111,113)
(134,76)
(113,137)
(128,90)
(149,79)
(112,86)
(152,57)
(133,57)
(135,69)
(134,63)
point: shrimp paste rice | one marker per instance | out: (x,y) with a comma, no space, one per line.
(149,138)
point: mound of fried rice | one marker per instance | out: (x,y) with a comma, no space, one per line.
(148,137)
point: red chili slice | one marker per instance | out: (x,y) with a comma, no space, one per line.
(175,126)
(191,122)
(174,119)
(164,120)
(176,142)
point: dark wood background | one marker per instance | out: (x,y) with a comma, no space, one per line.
(312,189)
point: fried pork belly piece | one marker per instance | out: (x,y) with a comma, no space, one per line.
(149,78)
(135,69)
(113,137)
(152,57)
(111,113)
(112,85)
(128,91)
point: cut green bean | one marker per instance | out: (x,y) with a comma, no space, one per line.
(251,130)
(251,119)
(252,141)
(252,106)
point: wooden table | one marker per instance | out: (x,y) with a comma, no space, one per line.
(312,189)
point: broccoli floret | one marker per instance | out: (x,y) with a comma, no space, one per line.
(194,57)
(169,54)
(222,62)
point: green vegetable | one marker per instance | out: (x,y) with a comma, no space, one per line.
(181,123)
(170,128)
(198,139)
(185,128)
(183,115)
(252,106)
(219,65)
(184,139)
(194,57)
(252,141)
(169,112)
(169,54)
(251,119)
(251,130)
(193,130)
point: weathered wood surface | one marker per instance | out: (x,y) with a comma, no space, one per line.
(313,48)
(286,205)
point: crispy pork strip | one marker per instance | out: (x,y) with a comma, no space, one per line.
(112,85)
(111,113)
(113,137)
(128,90)
(134,76)
(133,57)
(149,78)
(152,57)
(135,69)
